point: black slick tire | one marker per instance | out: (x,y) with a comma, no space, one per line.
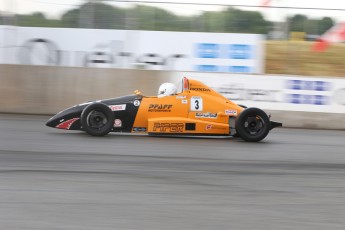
(97,119)
(252,125)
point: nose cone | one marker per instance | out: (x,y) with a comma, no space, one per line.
(67,119)
(50,122)
(66,122)
(55,120)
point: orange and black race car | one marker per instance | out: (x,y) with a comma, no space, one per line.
(192,108)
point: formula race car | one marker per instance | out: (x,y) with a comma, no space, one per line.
(192,108)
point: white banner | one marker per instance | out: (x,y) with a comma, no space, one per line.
(274,92)
(155,50)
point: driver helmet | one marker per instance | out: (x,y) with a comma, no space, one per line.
(167,89)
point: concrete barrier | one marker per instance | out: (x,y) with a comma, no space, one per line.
(309,120)
(45,90)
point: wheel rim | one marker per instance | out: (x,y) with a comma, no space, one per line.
(254,125)
(96,119)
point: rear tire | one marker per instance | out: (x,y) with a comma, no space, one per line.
(252,125)
(97,119)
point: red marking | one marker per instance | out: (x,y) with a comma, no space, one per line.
(185,83)
(66,124)
(265,3)
(333,35)
(342,32)
(320,46)
(208,127)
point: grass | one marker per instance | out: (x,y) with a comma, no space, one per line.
(297,58)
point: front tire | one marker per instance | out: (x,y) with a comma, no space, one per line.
(252,125)
(97,119)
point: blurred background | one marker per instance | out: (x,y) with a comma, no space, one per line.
(272,54)
(290,27)
(280,55)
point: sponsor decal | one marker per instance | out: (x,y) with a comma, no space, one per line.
(236,50)
(240,51)
(206,115)
(136,103)
(66,124)
(117,107)
(208,127)
(240,93)
(222,68)
(117,123)
(195,49)
(184,101)
(307,99)
(201,89)
(180,97)
(308,92)
(308,85)
(160,108)
(168,127)
(139,129)
(230,112)
(208,50)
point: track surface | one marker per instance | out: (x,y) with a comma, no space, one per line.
(54,179)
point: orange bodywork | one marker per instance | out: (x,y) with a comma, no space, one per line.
(197,109)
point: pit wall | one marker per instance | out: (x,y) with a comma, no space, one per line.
(299,102)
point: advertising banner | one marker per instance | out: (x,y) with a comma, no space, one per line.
(277,92)
(154,50)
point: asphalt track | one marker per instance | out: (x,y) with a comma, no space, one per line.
(53,179)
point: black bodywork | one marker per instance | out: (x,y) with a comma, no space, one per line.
(127,116)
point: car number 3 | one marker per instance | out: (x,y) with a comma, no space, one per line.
(196,104)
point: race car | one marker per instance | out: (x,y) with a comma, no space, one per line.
(191,108)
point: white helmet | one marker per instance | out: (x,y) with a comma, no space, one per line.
(167,89)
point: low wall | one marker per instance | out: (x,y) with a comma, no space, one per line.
(46,90)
